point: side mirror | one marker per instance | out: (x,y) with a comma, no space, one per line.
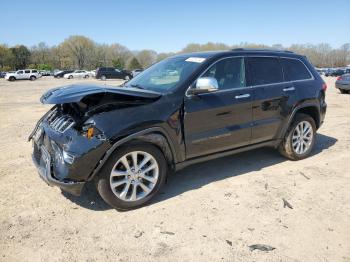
(204,85)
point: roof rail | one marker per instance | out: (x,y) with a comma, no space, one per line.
(261,50)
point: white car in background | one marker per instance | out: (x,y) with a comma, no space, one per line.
(26,74)
(92,73)
(77,74)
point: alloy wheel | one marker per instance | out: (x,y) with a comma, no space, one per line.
(134,176)
(302,137)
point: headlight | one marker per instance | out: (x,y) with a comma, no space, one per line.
(61,155)
(68,158)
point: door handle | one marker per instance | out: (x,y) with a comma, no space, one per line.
(289,89)
(242,96)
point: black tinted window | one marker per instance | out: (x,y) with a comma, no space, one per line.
(265,70)
(230,73)
(294,69)
(27,71)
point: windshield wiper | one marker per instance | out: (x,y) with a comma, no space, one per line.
(136,86)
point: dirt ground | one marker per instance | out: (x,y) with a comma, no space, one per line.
(208,212)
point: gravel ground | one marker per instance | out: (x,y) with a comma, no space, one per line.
(207,212)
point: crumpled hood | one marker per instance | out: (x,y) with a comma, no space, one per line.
(75,93)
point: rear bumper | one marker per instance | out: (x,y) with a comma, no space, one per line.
(342,86)
(43,163)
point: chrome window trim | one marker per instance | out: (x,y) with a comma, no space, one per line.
(252,86)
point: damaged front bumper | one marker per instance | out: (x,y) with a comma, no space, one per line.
(65,159)
(43,163)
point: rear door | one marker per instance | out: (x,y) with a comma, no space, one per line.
(272,95)
(118,74)
(219,120)
(26,74)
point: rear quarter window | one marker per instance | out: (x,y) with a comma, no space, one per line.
(265,70)
(294,69)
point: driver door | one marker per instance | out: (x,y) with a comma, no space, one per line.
(20,74)
(220,120)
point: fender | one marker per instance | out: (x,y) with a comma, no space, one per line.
(142,135)
(291,117)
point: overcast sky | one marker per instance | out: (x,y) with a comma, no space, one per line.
(169,25)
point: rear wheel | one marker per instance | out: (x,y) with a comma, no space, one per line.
(132,176)
(87,76)
(103,77)
(299,139)
(70,77)
(12,78)
(343,91)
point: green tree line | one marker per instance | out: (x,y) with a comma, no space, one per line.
(80,52)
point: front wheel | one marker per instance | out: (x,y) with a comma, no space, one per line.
(103,77)
(12,78)
(299,139)
(132,176)
(70,77)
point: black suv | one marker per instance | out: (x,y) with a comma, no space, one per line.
(183,110)
(104,73)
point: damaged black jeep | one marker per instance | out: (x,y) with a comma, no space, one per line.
(182,110)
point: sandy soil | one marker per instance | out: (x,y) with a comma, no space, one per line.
(208,212)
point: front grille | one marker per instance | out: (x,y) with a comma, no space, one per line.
(59,123)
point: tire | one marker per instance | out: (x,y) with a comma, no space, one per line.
(32,78)
(70,77)
(127,78)
(12,78)
(343,91)
(115,163)
(286,147)
(103,78)
(87,76)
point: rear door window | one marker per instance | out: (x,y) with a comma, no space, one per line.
(265,70)
(294,69)
(27,71)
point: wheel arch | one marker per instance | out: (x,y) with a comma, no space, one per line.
(156,136)
(309,109)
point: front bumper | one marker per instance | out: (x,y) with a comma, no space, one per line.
(43,163)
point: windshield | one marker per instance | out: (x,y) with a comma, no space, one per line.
(165,75)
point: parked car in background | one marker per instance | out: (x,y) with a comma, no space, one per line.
(328,71)
(104,73)
(26,74)
(77,74)
(136,72)
(128,139)
(2,74)
(343,84)
(45,72)
(92,73)
(335,72)
(60,74)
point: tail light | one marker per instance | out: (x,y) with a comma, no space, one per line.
(339,78)
(324,86)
